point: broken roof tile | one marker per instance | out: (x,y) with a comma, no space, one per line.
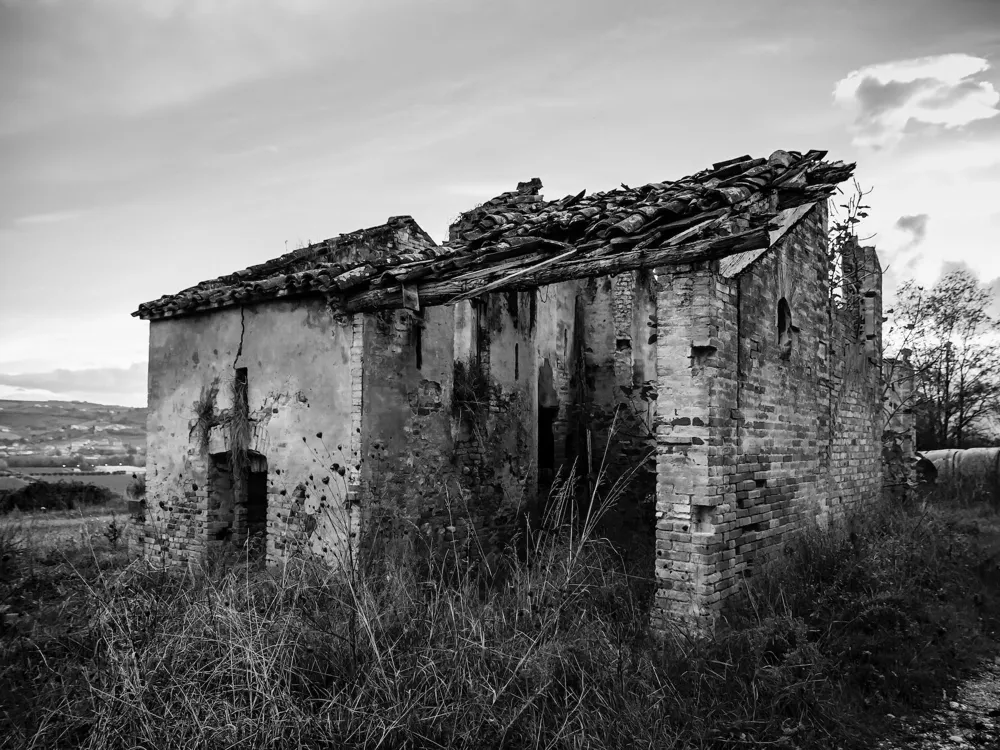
(519,240)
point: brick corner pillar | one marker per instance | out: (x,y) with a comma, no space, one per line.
(697,392)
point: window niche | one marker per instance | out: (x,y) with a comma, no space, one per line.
(416,339)
(786,330)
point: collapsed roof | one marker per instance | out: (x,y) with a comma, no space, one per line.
(735,210)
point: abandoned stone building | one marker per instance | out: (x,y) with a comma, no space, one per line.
(683,334)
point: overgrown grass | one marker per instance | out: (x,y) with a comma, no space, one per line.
(551,650)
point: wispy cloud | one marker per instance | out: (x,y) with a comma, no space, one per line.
(768,47)
(71,59)
(52,217)
(940,90)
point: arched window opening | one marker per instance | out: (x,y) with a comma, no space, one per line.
(785,329)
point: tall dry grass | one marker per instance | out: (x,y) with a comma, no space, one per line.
(548,649)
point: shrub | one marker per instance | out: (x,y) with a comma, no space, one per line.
(136,489)
(55,496)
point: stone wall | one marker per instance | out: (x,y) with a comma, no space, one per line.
(769,414)
(298,361)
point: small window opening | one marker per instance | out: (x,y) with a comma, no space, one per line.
(517,365)
(418,346)
(785,329)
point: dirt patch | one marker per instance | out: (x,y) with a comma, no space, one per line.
(971,720)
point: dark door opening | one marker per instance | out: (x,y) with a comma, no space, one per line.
(221,498)
(257,503)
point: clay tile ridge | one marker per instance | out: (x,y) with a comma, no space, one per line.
(275,277)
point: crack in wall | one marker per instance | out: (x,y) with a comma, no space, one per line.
(243,330)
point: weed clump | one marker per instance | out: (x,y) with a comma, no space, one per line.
(471,390)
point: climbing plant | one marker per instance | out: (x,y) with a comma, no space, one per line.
(235,420)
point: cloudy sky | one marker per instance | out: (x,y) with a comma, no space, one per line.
(146,145)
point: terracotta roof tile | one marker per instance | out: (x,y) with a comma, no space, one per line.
(518,240)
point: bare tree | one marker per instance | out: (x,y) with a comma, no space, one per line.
(955,358)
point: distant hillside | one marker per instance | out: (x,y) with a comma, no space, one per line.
(70,425)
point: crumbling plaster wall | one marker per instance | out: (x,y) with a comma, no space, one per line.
(298,358)
(496,414)
(409,478)
(756,440)
(456,463)
(557,356)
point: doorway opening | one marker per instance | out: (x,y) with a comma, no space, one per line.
(221,498)
(256,498)
(237,505)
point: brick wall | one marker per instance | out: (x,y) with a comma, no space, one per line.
(696,351)
(767,421)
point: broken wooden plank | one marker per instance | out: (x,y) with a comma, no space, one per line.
(696,229)
(515,274)
(654,258)
(479,274)
(445,292)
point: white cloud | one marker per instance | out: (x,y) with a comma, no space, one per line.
(940,90)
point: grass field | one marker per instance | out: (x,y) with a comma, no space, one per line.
(62,530)
(100,650)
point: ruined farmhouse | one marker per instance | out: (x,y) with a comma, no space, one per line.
(685,334)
